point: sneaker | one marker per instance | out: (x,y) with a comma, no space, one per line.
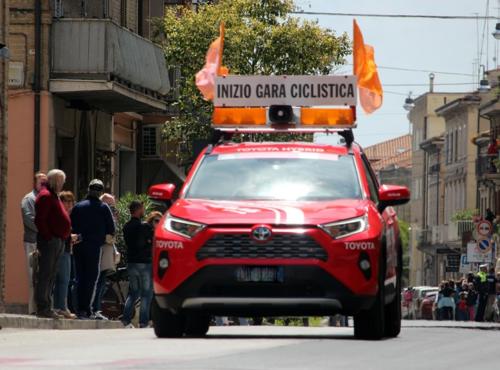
(130,326)
(98,316)
(66,314)
(82,316)
(49,314)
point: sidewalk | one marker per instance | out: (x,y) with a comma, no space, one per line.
(33,322)
(450,324)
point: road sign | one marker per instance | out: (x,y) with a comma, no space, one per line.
(480,251)
(483,229)
(300,91)
(465,266)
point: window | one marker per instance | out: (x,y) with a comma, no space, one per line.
(456,146)
(150,147)
(123,13)
(266,176)
(371,179)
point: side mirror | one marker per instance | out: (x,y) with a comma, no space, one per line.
(162,192)
(161,196)
(392,195)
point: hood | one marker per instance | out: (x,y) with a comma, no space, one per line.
(267,212)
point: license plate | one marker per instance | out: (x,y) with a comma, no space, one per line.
(253,274)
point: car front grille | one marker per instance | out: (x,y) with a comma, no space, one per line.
(285,246)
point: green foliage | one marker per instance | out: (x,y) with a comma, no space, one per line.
(465,215)
(260,38)
(124,217)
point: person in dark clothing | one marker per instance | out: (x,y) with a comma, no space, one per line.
(490,216)
(491,281)
(139,238)
(93,221)
(481,285)
(54,227)
(471,301)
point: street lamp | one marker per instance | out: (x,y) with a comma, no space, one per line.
(484,84)
(409,103)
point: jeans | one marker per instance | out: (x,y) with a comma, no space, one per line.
(100,290)
(62,282)
(140,286)
(50,251)
(29,248)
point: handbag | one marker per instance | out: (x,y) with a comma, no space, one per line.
(107,257)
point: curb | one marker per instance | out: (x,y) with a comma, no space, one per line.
(32,322)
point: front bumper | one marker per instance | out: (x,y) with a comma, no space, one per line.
(304,291)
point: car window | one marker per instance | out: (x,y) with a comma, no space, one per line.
(283,176)
(370,178)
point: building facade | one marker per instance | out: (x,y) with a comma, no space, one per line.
(88,92)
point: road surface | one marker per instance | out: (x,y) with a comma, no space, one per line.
(421,346)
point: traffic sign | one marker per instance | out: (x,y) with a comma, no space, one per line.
(301,91)
(483,228)
(484,245)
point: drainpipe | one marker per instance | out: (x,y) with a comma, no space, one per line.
(37,82)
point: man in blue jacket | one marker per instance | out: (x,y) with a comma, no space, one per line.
(93,221)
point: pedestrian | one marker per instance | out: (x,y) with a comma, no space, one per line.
(61,288)
(54,227)
(446,302)
(462,309)
(490,216)
(492,295)
(471,300)
(110,257)
(481,286)
(30,233)
(93,222)
(139,241)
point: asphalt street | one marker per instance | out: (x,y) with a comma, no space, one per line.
(420,346)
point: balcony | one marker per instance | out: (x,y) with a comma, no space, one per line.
(99,64)
(457,229)
(485,168)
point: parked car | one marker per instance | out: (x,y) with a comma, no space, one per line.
(427,306)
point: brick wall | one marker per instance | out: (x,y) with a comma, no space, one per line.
(22,38)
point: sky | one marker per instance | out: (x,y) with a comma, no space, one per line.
(424,44)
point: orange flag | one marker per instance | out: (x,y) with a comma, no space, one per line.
(205,78)
(370,88)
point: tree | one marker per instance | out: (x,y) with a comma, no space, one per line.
(260,38)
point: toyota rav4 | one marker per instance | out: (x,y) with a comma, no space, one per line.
(278,229)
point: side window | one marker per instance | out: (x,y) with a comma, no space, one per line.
(371,179)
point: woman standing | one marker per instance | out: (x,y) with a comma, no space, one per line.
(64,265)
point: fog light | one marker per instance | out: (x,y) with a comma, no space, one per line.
(364,265)
(163,263)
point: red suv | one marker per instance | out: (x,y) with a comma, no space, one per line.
(278,229)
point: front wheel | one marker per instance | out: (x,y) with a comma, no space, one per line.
(197,325)
(370,324)
(165,323)
(393,309)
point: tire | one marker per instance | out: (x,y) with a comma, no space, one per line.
(393,309)
(165,323)
(197,325)
(370,324)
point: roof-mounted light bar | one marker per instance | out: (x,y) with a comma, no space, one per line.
(289,118)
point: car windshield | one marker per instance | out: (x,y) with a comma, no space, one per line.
(275,176)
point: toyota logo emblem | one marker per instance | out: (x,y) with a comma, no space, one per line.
(261,233)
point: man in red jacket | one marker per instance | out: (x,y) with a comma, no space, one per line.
(54,226)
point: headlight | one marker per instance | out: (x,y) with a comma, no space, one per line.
(184,228)
(342,229)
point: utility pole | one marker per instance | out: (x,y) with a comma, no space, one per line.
(4,54)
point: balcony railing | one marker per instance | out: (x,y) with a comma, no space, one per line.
(93,57)
(484,165)
(458,228)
